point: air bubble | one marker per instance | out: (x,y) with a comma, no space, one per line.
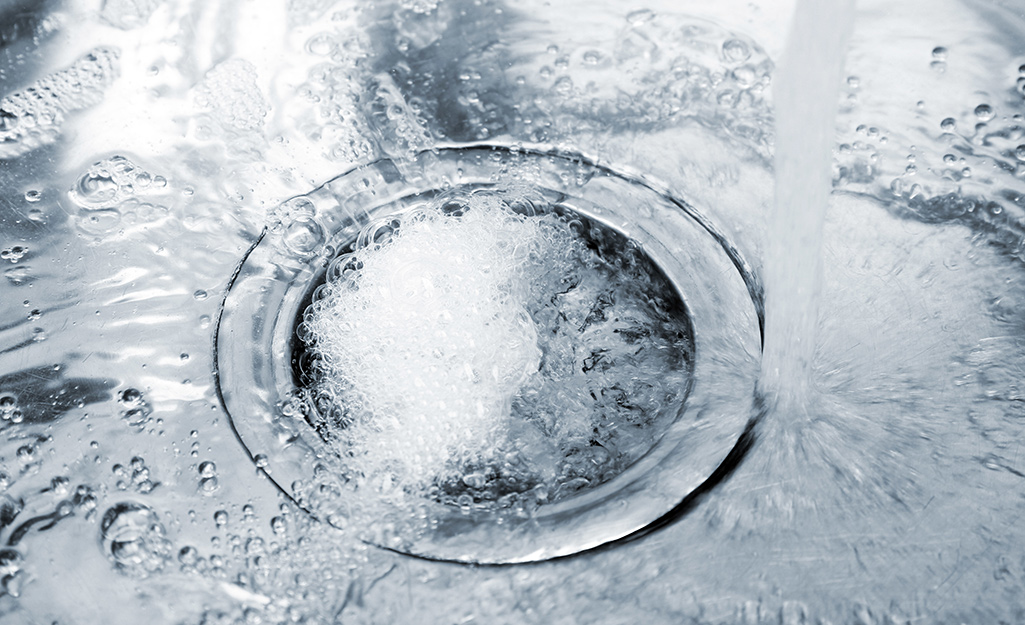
(939,53)
(735,51)
(984,112)
(640,17)
(33,196)
(207,469)
(948,125)
(134,539)
(303,236)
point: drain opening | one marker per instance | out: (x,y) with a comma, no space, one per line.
(564,324)
(490,351)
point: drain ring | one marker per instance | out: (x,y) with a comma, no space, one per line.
(254,350)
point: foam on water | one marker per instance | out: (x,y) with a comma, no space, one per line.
(478,353)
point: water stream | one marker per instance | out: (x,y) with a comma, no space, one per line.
(145,145)
(807,91)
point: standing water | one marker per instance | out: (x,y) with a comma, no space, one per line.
(198,200)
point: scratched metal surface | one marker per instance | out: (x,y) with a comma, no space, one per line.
(143,143)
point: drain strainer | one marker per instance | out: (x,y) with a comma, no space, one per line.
(568,368)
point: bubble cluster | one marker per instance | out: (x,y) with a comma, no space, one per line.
(109,182)
(135,539)
(33,116)
(233,97)
(484,357)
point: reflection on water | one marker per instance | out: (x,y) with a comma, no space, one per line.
(145,143)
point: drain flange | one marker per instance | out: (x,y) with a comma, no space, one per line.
(260,367)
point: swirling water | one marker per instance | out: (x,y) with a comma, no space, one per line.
(145,144)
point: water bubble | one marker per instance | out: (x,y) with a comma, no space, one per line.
(853,82)
(221,518)
(26,454)
(563,86)
(208,485)
(95,189)
(948,125)
(59,486)
(277,525)
(134,539)
(99,221)
(303,236)
(1019,152)
(13,254)
(736,51)
(11,573)
(984,112)
(592,57)
(321,45)
(207,469)
(939,53)
(640,17)
(200,295)
(188,555)
(33,195)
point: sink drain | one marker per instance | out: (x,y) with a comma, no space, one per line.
(608,385)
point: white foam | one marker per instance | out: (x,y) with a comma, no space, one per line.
(428,343)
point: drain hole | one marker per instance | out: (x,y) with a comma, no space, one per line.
(490,351)
(489,355)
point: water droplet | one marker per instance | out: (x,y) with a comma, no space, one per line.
(208,485)
(853,82)
(1019,152)
(33,196)
(277,525)
(984,112)
(948,125)
(939,53)
(592,57)
(221,518)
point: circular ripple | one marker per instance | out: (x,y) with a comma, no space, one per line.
(260,374)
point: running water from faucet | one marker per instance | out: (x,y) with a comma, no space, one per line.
(807,90)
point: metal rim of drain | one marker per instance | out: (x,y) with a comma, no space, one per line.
(256,326)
